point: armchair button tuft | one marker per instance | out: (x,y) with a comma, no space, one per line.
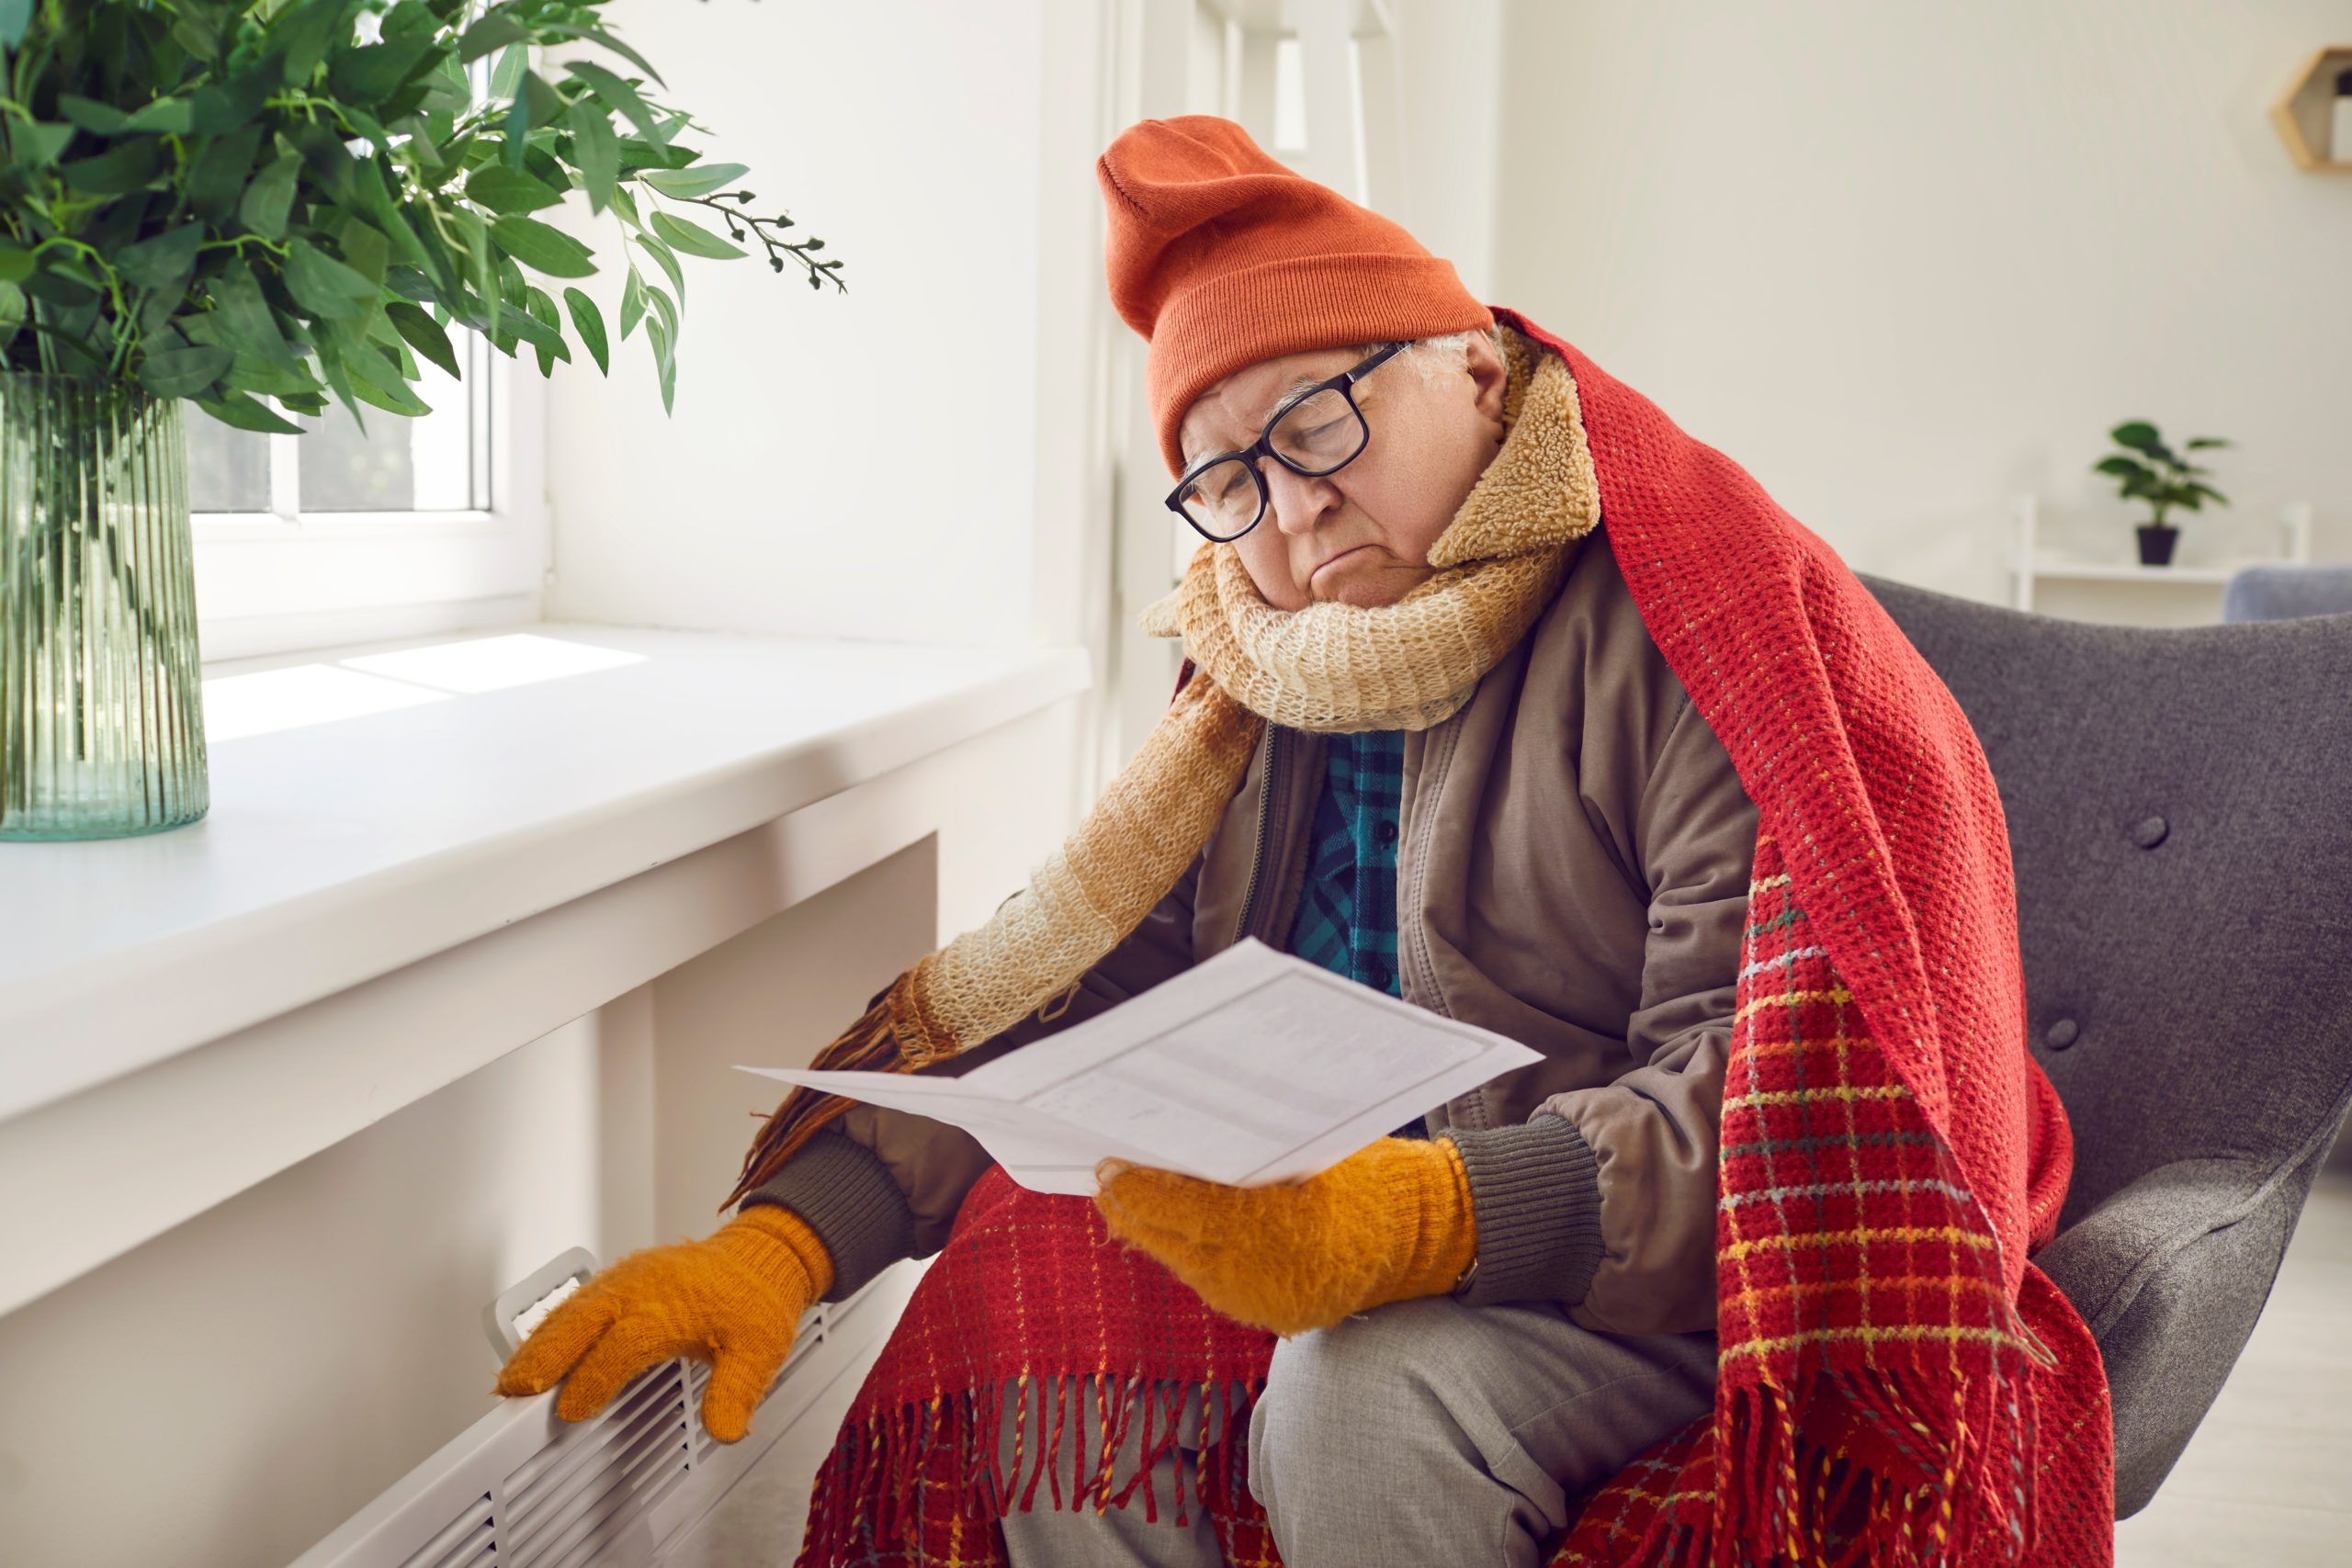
(2060,1035)
(2149,831)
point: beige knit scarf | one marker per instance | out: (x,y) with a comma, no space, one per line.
(1330,667)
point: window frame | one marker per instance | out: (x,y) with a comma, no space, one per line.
(285,580)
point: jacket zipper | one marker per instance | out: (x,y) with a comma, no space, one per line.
(1273,780)
(1437,755)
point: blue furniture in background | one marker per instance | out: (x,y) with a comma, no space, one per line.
(2282,593)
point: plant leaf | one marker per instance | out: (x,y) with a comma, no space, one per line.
(266,200)
(632,302)
(491,33)
(661,252)
(619,95)
(694,239)
(2138,435)
(218,108)
(122,168)
(100,120)
(245,314)
(183,372)
(542,248)
(561,30)
(375,379)
(301,37)
(240,411)
(423,334)
(37,142)
(541,306)
(508,190)
(373,73)
(174,116)
(218,172)
(520,323)
(595,149)
(589,322)
(694,179)
(324,286)
(162,261)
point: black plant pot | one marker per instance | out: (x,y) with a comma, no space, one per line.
(2155,543)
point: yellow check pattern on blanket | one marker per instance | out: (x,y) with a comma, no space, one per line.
(1390,1221)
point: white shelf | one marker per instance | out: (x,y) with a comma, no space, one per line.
(2124,572)
(2030,564)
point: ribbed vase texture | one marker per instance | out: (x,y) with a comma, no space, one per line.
(101,709)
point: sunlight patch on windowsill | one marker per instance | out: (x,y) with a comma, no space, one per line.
(237,707)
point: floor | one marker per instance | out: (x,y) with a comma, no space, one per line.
(2267,1479)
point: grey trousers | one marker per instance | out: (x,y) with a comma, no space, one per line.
(1421,1432)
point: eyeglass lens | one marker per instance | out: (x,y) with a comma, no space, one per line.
(1317,435)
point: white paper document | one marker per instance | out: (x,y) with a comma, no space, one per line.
(1251,1067)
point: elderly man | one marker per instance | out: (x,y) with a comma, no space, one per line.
(1425,738)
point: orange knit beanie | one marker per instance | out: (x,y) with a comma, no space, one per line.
(1221,257)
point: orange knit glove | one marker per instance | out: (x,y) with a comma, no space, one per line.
(1390,1221)
(733,1299)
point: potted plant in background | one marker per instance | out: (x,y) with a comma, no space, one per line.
(2149,470)
(231,203)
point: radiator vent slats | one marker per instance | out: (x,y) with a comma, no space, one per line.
(470,1541)
(580,1445)
(523,1488)
(645,1444)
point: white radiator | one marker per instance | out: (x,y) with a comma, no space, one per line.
(523,1488)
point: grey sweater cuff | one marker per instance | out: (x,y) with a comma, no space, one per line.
(841,1190)
(1535,1191)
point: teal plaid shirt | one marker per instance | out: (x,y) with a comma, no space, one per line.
(1347,908)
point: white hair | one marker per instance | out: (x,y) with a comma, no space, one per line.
(1432,355)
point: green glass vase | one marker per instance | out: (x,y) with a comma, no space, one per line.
(101,705)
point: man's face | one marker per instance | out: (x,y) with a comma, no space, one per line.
(1360,536)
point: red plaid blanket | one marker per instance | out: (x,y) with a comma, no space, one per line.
(1898,1383)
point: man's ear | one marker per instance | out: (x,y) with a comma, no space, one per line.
(1490,377)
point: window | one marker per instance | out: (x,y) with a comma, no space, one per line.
(436,464)
(403,527)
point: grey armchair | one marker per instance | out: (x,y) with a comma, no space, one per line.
(2180,805)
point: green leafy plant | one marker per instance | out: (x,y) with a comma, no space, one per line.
(2149,470)
(228,200)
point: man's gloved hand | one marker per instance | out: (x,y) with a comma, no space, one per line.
(733,1299)
(1390,1221)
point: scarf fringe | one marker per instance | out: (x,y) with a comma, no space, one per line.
(879,1485)
(872,1043)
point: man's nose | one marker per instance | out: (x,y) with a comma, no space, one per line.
(1297,501)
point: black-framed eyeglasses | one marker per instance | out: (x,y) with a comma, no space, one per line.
(1317,432)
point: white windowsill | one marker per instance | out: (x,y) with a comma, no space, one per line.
(506,782)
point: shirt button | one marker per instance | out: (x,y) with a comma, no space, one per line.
(1378,976)
(1387,832)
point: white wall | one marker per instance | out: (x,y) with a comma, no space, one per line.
(227,1393)
(855,465)
(1902,261)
